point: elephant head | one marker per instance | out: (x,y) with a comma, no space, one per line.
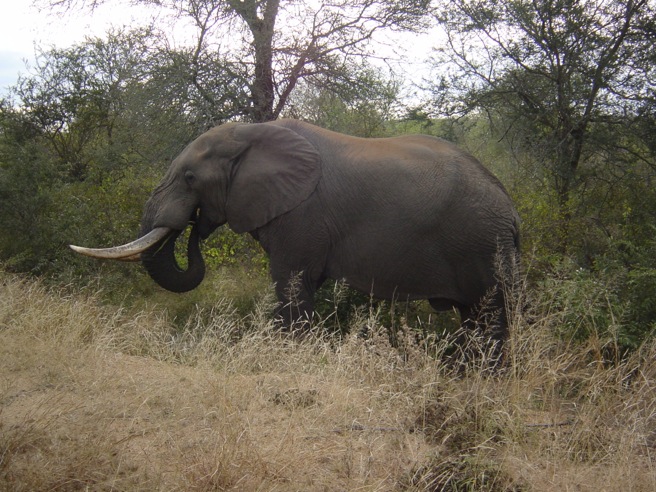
(242,174)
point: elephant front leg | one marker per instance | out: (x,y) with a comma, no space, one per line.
(295,301)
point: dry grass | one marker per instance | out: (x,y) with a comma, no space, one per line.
(98,399)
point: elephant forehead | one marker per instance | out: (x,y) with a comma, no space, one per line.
(214,143)
(196,152)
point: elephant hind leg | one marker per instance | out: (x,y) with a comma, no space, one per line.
(489,316)
(489,319)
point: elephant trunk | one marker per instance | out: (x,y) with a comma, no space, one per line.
(160,262)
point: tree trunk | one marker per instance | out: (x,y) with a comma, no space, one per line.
(260,16)
(569,157)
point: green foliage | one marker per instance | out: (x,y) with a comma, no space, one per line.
(82,145)
(551,78)
(364,108)
(587,302)
(226,248)
(611,305)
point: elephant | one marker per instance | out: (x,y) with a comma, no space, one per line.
(408,217)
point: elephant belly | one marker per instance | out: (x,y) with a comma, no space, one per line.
(415,271)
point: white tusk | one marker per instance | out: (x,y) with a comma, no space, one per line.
(126,252)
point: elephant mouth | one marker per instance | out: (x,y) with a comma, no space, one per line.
(206,226)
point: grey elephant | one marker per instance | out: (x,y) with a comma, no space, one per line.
(411,217)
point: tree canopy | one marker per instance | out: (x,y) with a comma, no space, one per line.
(268,46)
(566,80)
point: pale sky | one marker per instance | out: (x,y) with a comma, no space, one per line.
(23,27)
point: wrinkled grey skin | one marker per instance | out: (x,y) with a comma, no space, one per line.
(411,217)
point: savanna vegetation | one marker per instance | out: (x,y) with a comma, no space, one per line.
(110,383)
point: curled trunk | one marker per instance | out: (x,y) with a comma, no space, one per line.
(160,262)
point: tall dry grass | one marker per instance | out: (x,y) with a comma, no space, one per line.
(93,397)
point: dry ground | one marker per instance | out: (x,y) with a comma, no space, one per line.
(93,398)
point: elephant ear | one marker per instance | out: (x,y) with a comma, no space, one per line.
(278,170)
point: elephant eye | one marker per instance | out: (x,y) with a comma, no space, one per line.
(190,177)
